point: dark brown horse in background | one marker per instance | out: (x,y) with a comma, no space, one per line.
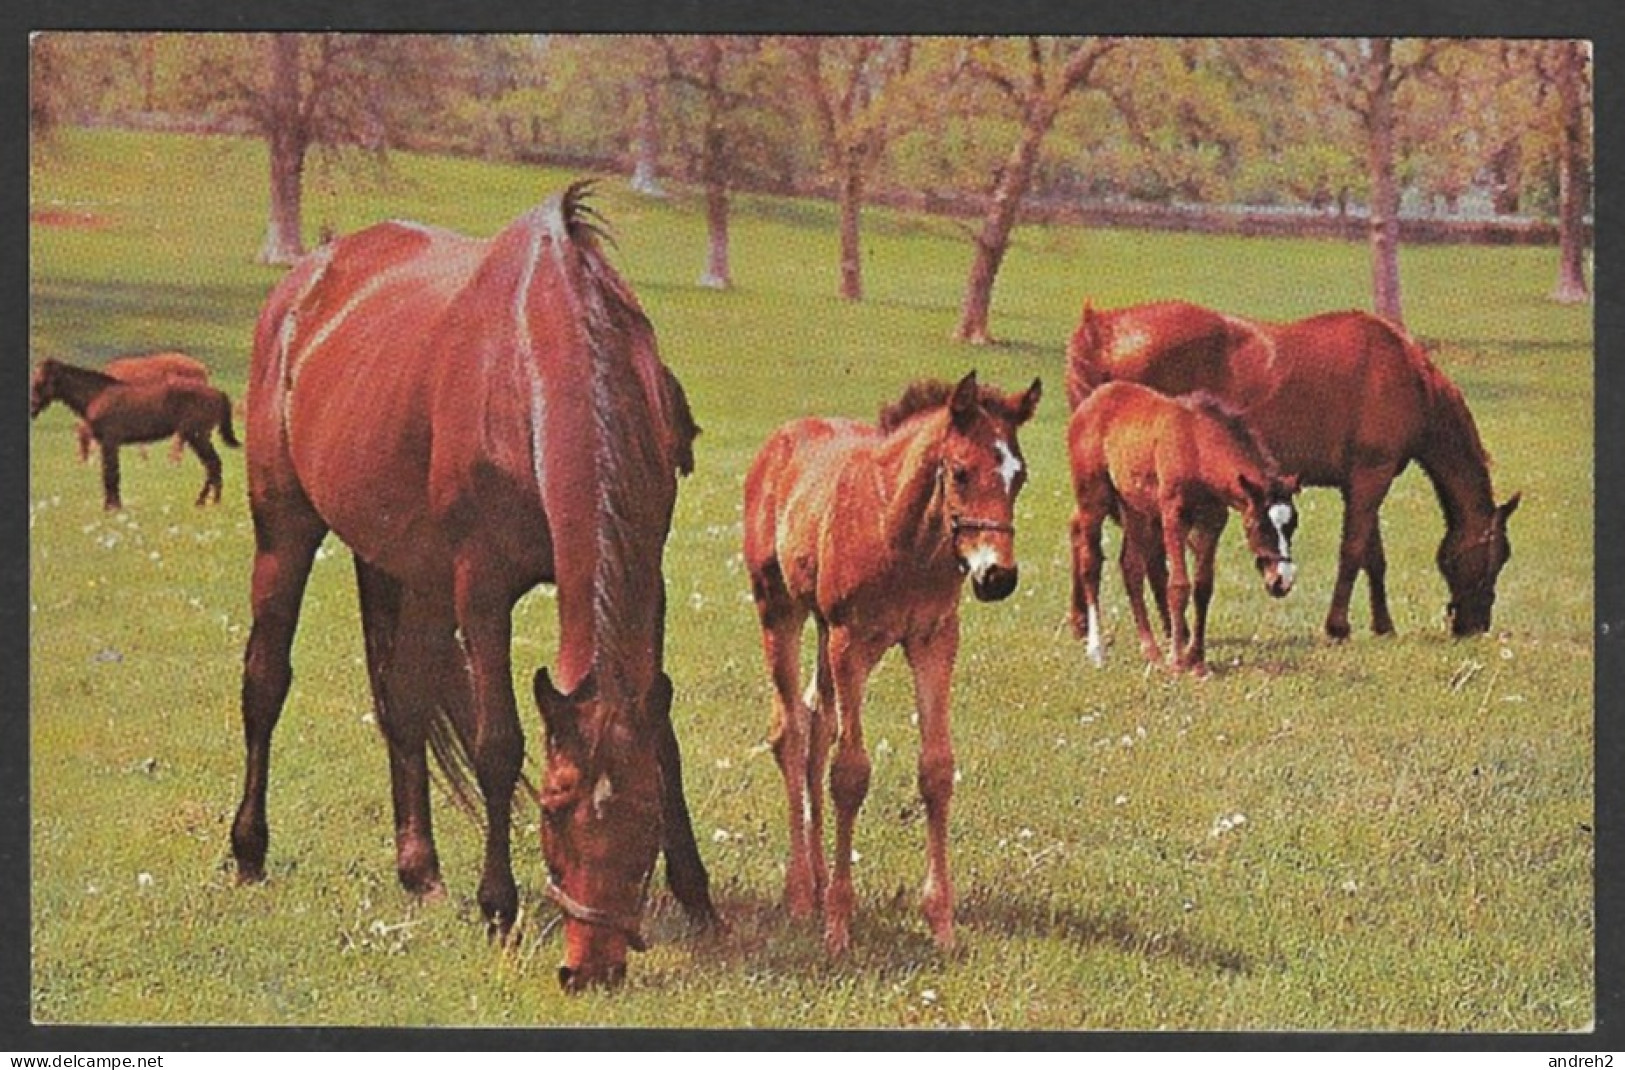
(473,418)
(118,413)
(1344,400)
(148,368)
(1169,470)
(871,531)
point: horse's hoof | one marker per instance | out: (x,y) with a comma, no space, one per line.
(249,874)
(837,940)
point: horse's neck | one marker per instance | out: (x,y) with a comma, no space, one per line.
(1453,459)
(906,464)
(78,387)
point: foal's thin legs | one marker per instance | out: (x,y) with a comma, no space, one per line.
(931,657)
(110,473)
(850,665)
(285,539)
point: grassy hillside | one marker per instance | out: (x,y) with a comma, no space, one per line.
(1388,835)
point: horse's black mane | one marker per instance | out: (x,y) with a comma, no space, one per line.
(923,395)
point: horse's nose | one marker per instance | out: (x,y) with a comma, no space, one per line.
(994,582)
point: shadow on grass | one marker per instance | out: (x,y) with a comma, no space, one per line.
(890,940)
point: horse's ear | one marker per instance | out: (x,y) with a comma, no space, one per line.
(1505,510)
(966,397)
(1249,488)
(1029,401)
(1289,484)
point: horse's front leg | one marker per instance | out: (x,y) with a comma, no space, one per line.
(110,477)
(1362,498)
(931,657)
(484,606)
(782,622)
(851,661)
(685,872)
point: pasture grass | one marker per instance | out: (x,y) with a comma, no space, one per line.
(1386,835)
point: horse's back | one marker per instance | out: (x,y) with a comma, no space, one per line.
(163,365)
(341,378)
(1346,390)
(1173,346)
(792,483)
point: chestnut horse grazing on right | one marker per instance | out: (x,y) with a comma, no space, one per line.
(871,531)
(1169,470)
(119,413)
(148,368)
(1342,399)
(474,418)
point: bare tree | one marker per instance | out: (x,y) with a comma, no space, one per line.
(847,79)
(340,93)
(1567,66)
(1038,87)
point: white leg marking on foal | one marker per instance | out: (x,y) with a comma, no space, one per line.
(1097,653)
(600,794)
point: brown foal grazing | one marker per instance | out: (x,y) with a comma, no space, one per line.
(118,413)
(1169,471)
(871,531)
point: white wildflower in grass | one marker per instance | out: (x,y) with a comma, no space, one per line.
(144,880)
(883,747)
(1351,886)
(721,836)
(1227,823)
(928,996)
(696,601)
(725,763)
(1121,800)
(323,553)
(856,858)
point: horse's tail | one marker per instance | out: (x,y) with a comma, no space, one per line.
(1083,371)
(227,434)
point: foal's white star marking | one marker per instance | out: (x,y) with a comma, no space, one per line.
(1009,464)
(1280,515)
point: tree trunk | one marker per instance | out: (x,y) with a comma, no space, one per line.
(717,275)
(851,198)
(1000,220)
(646,169)
(1384,186)
(1574,192)
(283,242)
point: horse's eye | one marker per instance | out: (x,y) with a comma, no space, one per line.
(961,475)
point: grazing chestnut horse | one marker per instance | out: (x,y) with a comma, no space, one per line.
(473,418)
(118,413)
(1169,471)
(871,531)
(148,368)
(1342,399)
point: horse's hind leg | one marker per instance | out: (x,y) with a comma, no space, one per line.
(1141,551)
(789,736)
(1086,562)
(400,702)
(110,477)
(931,657)
(820,738)
(1376,574)
(285,541)
(211,466)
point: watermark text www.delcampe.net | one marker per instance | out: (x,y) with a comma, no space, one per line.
(88,1062)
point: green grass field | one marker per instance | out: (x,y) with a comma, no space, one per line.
(1378,835)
